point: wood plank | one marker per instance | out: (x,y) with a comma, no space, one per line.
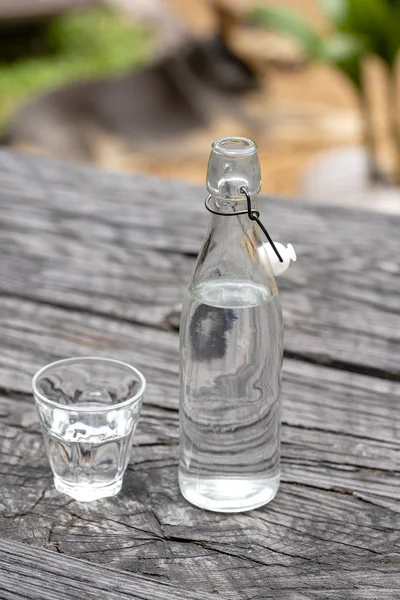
(337,511)
(98,241)
(317,397)
(60,577)
(76,243)
(303,541)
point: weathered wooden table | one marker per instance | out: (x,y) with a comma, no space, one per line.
(96,263)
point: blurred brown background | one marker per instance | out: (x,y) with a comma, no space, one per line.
(301,112)
(304,112)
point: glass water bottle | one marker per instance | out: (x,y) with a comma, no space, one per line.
(231,348)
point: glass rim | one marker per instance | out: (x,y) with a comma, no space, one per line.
(242,146)
(89,409)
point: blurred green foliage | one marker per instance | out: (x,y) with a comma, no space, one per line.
(342,48)
(360,28)
(79,45)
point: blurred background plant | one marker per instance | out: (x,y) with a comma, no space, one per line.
(314,119)
(68,47)
(361,28)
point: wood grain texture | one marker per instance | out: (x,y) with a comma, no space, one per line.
(60,577)
(96,263)
(97,241)
(338,504)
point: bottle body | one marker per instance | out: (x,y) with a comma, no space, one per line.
(231,340)
(231,354)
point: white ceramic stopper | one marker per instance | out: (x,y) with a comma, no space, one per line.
(286,252)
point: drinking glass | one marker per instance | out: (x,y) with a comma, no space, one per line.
(89,409)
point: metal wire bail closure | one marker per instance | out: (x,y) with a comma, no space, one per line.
(254,215)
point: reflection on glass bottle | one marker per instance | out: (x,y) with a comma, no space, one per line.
(208,331)
(231,351)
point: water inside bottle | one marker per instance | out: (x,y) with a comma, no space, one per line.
(231,352)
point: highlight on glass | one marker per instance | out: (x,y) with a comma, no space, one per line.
(89,409)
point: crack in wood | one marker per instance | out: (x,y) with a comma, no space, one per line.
(335,432)
(15,395)
(321,539)
(350,494)
(161,325)
(342,466)
(341,365)
(29,511)
(252,559)
(151,534)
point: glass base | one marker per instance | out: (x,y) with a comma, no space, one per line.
(228,495)
(87,493)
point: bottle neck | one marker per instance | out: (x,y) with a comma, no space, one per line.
(233,220)
(231,249)
(233,165)
(231,205)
